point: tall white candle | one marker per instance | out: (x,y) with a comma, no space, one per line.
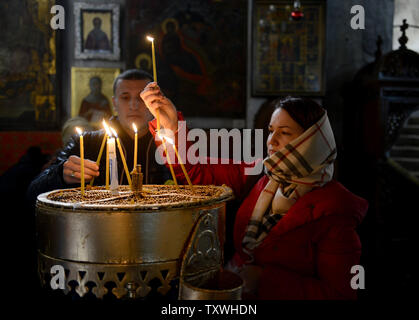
(80,132)
(113,166)
(135,145)
(108,135)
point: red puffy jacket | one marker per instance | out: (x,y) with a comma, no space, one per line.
(309,253)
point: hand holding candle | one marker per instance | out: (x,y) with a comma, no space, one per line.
(159,104)
(72,170)
(155,101)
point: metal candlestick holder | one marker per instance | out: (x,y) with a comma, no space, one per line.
(137,181)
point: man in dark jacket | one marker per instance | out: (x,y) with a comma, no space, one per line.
(65,172)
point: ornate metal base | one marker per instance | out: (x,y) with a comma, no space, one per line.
(125,252)
(131,281)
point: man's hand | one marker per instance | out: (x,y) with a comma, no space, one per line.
(155,101)
(72,170)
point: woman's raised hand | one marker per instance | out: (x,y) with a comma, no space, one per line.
(156,101)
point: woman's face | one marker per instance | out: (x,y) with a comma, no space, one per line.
(282,130)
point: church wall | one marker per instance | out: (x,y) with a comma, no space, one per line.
(346,51)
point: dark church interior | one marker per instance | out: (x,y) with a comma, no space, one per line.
(222,63)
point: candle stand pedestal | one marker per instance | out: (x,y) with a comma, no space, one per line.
(130,251)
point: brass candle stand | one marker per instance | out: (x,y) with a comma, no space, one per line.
(137,181)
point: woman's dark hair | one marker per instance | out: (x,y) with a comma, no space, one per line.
(132,74)
(304,111)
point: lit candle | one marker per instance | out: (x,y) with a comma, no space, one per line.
(113,166)
(153,54)
(179,159)
(80,132)
(100,151)
(168,160)
(108,134)
(122,157)
(107,164)
(135,145)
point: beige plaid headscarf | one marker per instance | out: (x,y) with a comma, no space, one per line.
(303,164)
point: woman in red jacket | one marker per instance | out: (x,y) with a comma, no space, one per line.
(295,232)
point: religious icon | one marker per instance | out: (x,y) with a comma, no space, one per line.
(200,54)
(91,92)
(97,31)
(95,106)
(291,62)
(97,39)
(143,62)
(181,58)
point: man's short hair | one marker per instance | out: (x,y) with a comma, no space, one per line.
(132,74)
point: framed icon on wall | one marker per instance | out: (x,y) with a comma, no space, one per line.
(91,93)
(97,31)
(287,54)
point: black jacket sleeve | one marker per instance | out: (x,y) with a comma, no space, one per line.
(52,177)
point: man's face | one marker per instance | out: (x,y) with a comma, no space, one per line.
(129,105)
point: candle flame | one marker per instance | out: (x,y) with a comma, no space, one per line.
(105,125)
(134,127)
(114,132)
(150,38)
(79,131)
